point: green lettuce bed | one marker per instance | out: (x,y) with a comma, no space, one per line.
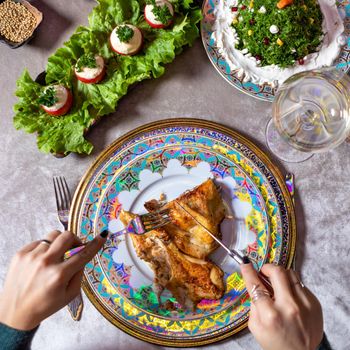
(91,101)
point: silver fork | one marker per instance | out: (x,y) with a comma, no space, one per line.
(144,223)
(63,202)
(139,225)
(63,199)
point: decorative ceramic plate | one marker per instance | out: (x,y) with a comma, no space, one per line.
(261,91)
(170,157)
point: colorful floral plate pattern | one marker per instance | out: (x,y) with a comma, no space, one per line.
(170,157)
(260,91)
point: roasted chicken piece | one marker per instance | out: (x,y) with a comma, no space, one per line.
(204,202)
(189,279)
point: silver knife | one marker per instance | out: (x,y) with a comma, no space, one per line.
(290,183)
(233,253)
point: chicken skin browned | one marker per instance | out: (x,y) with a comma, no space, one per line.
(204,202)
(177,252)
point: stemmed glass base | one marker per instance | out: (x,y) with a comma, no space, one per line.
(281,149)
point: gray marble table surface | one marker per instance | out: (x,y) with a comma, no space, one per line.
(191,87)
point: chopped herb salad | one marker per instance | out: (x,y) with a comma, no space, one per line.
(276,32)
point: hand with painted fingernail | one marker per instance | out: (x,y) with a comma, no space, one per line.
(291,319)
(39,282)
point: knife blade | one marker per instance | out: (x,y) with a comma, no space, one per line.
(233,253)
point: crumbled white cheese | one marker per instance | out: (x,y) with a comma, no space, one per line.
(274,29)
(262,9)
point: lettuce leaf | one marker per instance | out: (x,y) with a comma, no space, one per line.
(91,101)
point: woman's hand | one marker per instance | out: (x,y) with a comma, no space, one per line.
(292,319)
(39,282)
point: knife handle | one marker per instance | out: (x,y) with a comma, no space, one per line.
(241,259)
(266,282)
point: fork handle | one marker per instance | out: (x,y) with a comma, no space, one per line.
(124,231)
(71,252)
(112,236)
(75,307)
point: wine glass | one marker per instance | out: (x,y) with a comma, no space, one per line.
(310,114)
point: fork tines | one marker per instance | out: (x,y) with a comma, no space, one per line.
(62,194)
(155,220)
